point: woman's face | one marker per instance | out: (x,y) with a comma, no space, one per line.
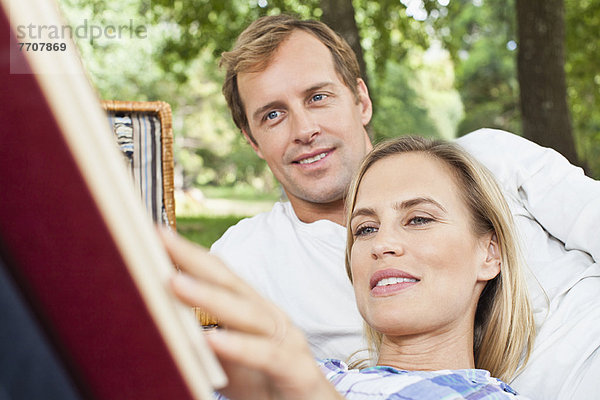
(417,267)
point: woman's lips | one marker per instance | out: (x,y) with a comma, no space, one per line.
(391,280)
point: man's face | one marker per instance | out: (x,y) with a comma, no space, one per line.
(307,124)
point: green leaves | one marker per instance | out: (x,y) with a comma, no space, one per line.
(583,77)
(414,89)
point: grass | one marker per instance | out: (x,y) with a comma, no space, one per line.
(204,229)
(240,192)
(204,219)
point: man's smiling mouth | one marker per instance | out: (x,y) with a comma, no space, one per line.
(313,159)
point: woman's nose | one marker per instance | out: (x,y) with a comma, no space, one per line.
(387,243)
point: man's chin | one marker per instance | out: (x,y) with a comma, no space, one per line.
(325,196)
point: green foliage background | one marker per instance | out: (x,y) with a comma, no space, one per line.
(436,68)
(205,230)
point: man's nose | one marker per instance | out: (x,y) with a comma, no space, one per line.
(305,126)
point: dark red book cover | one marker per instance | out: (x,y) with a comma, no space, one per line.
(63,257)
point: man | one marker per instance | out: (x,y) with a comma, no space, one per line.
(304,112)
(295,93)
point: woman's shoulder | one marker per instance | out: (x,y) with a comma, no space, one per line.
(382,382)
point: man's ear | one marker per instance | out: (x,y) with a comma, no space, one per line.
(366,107)
(252,143)
(491,265)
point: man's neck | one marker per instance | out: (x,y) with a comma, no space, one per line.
(310,212)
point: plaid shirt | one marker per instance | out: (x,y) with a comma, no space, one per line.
(387,383)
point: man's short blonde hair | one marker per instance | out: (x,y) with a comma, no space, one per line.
(256,45)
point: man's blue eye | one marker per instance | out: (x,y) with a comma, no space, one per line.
(273,115)
(318,97)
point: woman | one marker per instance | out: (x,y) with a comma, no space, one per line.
(434,263)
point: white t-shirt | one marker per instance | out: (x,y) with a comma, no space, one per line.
(300,266)
(557,213)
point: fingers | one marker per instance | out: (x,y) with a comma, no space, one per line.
(240,311)
(288,368)
(260,353)
(260,340)
(207,283)
(199,263)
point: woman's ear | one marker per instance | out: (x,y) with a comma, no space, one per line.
(491,265)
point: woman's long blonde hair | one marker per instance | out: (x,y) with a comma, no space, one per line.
(504,326)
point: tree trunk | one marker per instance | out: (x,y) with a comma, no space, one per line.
(339,16)
(541,72)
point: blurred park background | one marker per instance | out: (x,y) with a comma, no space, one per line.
(438,68)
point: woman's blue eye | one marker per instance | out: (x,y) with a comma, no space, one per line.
(420,220)
(365,230)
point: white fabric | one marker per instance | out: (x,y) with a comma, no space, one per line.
(562,250)
(301,266)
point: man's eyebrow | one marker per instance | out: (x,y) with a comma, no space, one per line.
(257,115)
(415,202)
(318,86)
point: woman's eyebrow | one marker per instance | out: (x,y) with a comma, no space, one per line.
(415,202)
(366,211)
(399,206)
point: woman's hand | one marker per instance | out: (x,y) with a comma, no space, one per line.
(264,355)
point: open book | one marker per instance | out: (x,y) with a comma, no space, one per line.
(73,234)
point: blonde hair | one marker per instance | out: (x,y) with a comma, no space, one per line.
(504,326)
(257,44)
